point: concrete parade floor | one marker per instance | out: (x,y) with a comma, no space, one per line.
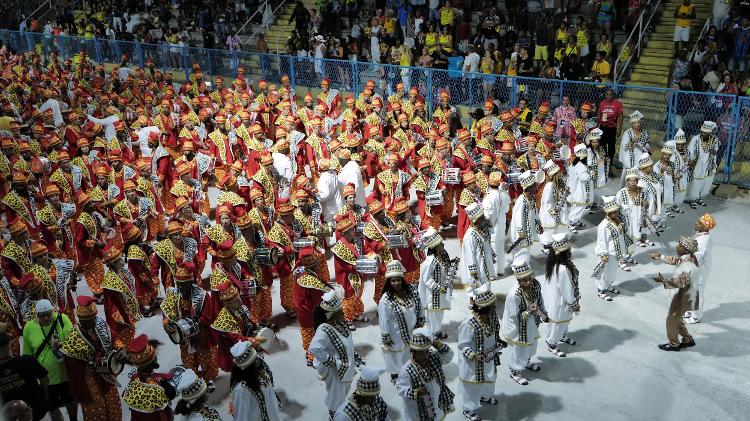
(615,372)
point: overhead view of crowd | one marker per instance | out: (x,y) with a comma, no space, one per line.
(110,217)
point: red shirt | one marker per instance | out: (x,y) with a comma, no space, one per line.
(609,113)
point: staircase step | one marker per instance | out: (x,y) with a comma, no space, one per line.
(649,78)
(661,45)
(651,69)
(659,61)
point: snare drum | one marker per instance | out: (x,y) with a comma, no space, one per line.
(359,229)
(323,230)
(248,287)
(269,335)
(110,365)
(367,266)
(267,256)
(397,240)
(451,176)
(182,330)
(434,198)
(513,177)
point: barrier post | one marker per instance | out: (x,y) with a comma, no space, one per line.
(292,77)
(734,123)
(429,91)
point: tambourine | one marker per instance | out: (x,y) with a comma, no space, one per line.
(269,335)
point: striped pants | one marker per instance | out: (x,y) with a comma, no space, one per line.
(353,306)
(261,308)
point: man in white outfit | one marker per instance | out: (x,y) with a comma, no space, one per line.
(703,257)
(634,143)
(702,151)
(611,248)
(683,175)
(560,293)
(553,209)
(351,172)
(366,402)
(495,204)
(479,347)
(523,223)
(329,189)
(477,257)
(284,168)
(581,187)
(524,310)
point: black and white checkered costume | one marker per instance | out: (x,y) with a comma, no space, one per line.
(525,300)
(397,309)
(419,378)
(481,331)
(376,412)
(330,332)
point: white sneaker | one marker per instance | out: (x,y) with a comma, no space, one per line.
(519,379)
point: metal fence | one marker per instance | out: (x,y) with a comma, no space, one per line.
(665,110)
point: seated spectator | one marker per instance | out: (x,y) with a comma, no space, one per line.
(425,59)
(446,40)
(727,86)
(600,69)
(572,47)
(604,45)
(713,78)
(439,58)
(571,68)
(430,38)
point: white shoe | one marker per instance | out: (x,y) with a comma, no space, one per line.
(519,379)
(556,352)
(692,320)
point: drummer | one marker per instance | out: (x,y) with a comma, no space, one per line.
(188,314)
(87,347)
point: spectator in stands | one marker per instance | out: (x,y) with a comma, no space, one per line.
(684,15)
(679,69)
(463,33)
(582,34)
(610,121)
(439,57)
(425,59)
(743,7)
(376,31)
(571,68)
(233,42)
(571,47)
(720,11)
(703,58)
(23,378)
(727,86)
(446,41)
(741,50)
(471,61)
(605,45)
(713,78)
(604,12)
(448,15)
(600,70)
(434,15)
(632,14)
(525,64)
(541,43)
(301,17)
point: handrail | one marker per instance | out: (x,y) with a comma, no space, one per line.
(265,24)
(37,9)
(251,18)
(706,25)
(640,28)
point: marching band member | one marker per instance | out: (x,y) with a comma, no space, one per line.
(345,255)
(281,235)
(682,170)
(366,402)
(252,396)
(597,162)
(193,392)
(524,221)
(612,248)
(664,169)
(702,151)
(634,143)
(524,310)
(377,225)
(496,204)
(477,257)
(232,324)
(428,182)
(120,302)
(653,185)
(560,293)
(479,347)
(634,203)
(399,313)
(308,294)
(581,186)
(148,393)
(435,282)
(553,209)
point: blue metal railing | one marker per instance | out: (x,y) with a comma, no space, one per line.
(666,110)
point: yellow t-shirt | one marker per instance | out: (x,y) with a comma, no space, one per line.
(488,66)
(446,16)
(429,41)
(571,49)
(606,47)
(390,25)
(405,60)
(581,38)
(684,10)
(446,42)
(601,68)
(559,53)
(561,35)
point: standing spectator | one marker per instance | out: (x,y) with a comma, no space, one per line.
(403,9)
(679,69)
(741,50)
(541,43)
(632,14)
(447,15)
(571,68)
(301,18)
(582,38)
(233,42)
(610,121)
(604,45)
(525,63)
(319,49)
(352,10)
(375,32)
(604,12)
(684,15)
(434,15)
(713,78)
(42,339)
(23,378)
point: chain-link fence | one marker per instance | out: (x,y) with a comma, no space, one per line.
(665,110)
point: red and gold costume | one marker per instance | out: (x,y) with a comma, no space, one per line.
(120,302)
(146,394)
(309,294)
(88,247)
(232,325)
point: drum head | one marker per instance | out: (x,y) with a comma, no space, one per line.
(268,335)
(114,365)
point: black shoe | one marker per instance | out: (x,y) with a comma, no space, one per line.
(688,344)
(669,347)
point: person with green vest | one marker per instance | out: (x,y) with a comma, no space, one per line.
(42,338)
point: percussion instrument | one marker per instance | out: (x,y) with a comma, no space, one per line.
(359,228)
(367,265)
(539,176)
(451,176)
(248,287)
(266,256)
(111,364)
(303,242)
(176,372)
(182,330)
(324,230)
(562,154)
(513,177)
(434,198)
(269,335)
(397,239)
(490,353)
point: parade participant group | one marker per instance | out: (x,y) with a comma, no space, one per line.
(106,178)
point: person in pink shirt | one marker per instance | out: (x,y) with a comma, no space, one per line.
(563,117)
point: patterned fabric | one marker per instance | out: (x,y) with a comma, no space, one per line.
(480,331)
(90,224)
(420,377)
(526,300)
(440,273)
(528,213)
(76,345)
(616,231)
(17,203)
(115,282)
(333,332)
(144,397)
(228,322)
(376,412)
(18,254)
(207,413)
(398,305)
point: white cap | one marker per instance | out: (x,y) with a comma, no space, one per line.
(332,301)
(483,295)
(580,150)
(368,383)
(551,168)
(421,339)
(560,242)
(610,205)
(243,354)
(43,306)
(191,387)
(474,211)
(645,161)
(596,133)
(527,179)
(708,127)
(394,269)
(635,116)
(680,137)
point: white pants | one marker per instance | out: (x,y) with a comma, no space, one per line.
(679,197)
(434,320)
(699,188)
(520,356)
(336,390)
(706,186)
(473,393)
(576,213)
(698,314)
(556,331)
(395,360)
(609,274)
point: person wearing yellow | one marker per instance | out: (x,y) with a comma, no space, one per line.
(446,40)
(582,39)
(600,68)
(562,33)
(430,39)
(572,47)
(447,15)
(605,45)
(684,15)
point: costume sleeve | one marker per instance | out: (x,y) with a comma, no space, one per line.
(680,281)
(445,353)
(566,286)
(602,242)
(384,320)
(320,350)
(244,405)
(510,317)
(466,341)
(403,385)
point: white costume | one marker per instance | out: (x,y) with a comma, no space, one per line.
(553,209)
(652,185)
(633,145)
(330,194)
(523,222)
(520,327)
(495,204)
(477,257)
(632,211)
(478,339)
(581,187)
(437,399)
(560,293)
(250,405)
(352,173)
(596,161)
(283,166)
(666,173)
(703,154)
(611,248)
(368,385)
(435,289)
(397,318)
(335,365)
(703,256)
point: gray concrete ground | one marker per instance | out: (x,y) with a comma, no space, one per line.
(615,372)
